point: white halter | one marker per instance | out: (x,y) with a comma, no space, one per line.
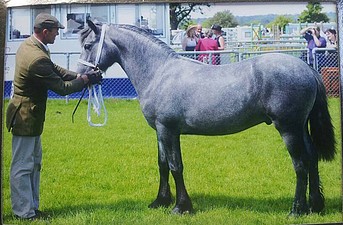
(95,98)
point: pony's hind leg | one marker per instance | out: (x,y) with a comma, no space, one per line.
(294,140)
(316,198)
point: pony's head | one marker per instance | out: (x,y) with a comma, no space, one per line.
(98,51)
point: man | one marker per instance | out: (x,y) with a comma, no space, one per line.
(35,74)
(314,40)
(199,34)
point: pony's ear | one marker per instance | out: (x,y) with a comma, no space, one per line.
(93,26)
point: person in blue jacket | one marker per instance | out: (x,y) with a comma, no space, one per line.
(314,40)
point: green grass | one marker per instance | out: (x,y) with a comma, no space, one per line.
(109,175)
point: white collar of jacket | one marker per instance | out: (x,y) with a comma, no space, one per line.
(44,45)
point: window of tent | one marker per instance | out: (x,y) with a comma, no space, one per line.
(100,12)
(247,34)
(19,23)
(151,18)
(21,20)
(73,17)
(126,14)
(40,9)
(147,16)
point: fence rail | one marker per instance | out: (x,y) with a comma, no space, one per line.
(227,57)
(325,62)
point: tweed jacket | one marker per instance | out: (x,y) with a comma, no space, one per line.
(34,75)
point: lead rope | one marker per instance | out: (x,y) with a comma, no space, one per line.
(95,97)
(96,102)
(77,105)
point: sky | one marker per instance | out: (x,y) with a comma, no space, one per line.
(260,8)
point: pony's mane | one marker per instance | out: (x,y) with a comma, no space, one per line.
(148,35)
(87,30)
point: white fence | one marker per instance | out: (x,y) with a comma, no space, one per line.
(325,62)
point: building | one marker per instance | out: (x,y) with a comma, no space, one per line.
(65,51)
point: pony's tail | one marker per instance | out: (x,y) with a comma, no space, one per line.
(322,130)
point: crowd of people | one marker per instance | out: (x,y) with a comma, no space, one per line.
(316,39)
(212,40)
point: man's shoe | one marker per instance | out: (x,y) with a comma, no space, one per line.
(32,218)
(39,215)
(42,215)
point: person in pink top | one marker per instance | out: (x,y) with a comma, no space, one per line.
(207,44)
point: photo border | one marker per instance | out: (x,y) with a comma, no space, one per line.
(12,3)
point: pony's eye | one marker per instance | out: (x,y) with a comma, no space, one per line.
(87,46)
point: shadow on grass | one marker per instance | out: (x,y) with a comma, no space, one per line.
(124,206)
(205,202)
(201,203)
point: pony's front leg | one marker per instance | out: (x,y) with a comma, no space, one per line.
(164,198)
(170,152)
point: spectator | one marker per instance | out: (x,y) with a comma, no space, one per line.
(207,44)
(217,31)
(190,40)
(314,40)
(331,37)
(331,56)
(199,34)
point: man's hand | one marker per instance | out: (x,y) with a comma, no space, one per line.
(94,77)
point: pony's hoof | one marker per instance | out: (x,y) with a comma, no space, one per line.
(161,202)
(182,210)
(293,215)
(317,204)
(298,210)
(316,209)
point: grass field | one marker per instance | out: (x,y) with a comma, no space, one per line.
(109,175)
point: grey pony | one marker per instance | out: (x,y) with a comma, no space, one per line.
(182,96)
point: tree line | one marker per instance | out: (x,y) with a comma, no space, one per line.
(180,16)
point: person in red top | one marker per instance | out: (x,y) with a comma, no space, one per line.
(207,44)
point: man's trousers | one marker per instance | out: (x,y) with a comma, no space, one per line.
(25,175)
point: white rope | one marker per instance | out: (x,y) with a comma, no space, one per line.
(86,63)
(95,98)
(96,102)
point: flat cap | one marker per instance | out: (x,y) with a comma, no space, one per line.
(45,20)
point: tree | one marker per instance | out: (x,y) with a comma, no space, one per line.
(281,22)
(313,14)
(224,19)
(180,13)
